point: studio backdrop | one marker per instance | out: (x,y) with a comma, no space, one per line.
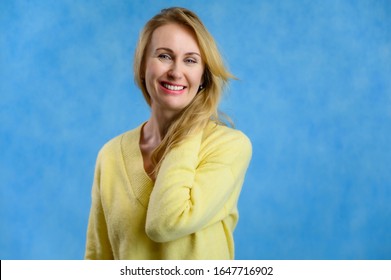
(313,94)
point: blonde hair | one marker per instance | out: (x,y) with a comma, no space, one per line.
(204,106)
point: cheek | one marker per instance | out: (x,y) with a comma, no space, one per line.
(197,77)
(149,75)
(149,70)
(153,68)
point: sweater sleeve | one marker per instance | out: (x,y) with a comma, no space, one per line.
(97,242)
(190,192)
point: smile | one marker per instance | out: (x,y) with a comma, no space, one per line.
(173,87)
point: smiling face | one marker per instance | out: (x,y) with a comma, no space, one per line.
(173,68)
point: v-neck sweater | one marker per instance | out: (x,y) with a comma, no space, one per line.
(189,212)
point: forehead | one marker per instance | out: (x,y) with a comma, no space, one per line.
(176,37)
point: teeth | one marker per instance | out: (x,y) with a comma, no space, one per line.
(171,87)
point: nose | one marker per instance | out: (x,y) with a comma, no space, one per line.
(175,72)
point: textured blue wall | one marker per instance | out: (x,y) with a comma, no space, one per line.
(314,96)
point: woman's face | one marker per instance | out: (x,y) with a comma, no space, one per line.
(173,68)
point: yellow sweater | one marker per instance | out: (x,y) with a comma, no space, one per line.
(190,212)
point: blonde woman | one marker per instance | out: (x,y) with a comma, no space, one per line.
(168,189)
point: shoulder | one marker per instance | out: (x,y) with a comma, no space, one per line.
(221,134)
(114,146)
(220,137)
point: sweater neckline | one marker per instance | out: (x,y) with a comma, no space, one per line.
(140,182)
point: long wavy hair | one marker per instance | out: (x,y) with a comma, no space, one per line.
(204,106)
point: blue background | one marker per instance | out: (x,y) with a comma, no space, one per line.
(314,96)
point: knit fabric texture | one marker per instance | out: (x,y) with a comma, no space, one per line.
(189,212)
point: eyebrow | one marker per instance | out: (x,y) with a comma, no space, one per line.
(171,51)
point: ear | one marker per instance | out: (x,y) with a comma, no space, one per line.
(201,87)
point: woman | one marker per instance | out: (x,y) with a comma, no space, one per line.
(169,188)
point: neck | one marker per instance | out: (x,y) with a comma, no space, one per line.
(156,127)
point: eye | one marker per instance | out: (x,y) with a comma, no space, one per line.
(191,60)
(164,56)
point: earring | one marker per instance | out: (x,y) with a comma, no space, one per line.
(201,88)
